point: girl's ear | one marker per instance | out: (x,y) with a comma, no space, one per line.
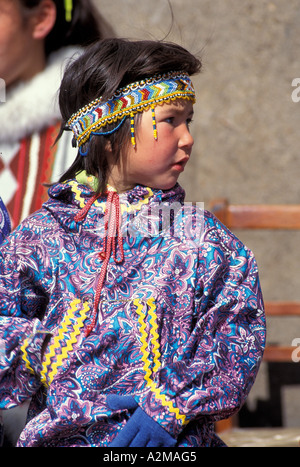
(43,19)
(108,146)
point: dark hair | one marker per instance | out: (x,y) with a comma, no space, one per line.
(105,67)
(87,25)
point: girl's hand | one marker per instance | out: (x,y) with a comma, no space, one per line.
(140,430)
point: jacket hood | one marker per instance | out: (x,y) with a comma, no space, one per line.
(66,200)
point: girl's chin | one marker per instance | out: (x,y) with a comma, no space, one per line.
(164,185)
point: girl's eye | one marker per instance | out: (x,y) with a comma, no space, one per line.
(169,120)
(189,122)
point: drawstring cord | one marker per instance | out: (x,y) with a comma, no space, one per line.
(112,233)
(83,212)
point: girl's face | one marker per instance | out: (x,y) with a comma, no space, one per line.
(157,163)
(19,60)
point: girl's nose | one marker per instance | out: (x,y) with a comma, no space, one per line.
(186,139)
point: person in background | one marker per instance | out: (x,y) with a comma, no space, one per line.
(37,39)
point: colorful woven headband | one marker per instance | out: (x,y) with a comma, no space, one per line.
(128,101)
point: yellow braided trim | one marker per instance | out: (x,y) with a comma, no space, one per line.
(144,336)
(137,207)
(78,197)
(154,334)
(124,208)
(132,207)
(63,332)
(166,403)
(25,355)
(153,386)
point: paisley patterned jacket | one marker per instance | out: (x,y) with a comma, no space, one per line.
(180,324)
(5,226)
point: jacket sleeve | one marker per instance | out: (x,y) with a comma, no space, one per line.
(218,362)
(5,226)
(22,302)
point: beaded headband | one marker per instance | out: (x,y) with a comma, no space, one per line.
(128,101)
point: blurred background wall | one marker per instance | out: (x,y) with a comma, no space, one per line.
(246,130)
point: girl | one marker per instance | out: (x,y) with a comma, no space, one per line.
(128,318)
